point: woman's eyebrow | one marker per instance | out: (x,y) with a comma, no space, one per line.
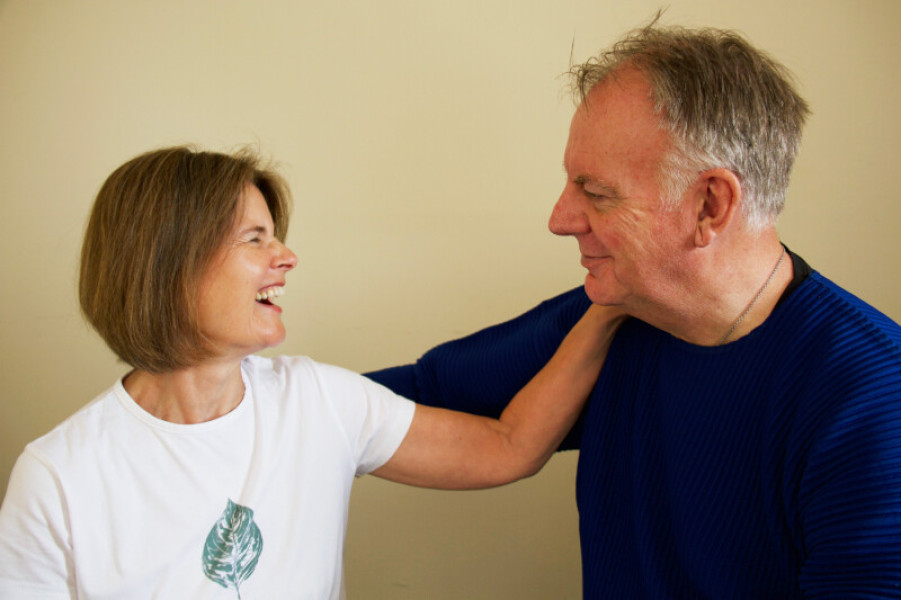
(253,229)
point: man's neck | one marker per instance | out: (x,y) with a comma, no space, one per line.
(733,292)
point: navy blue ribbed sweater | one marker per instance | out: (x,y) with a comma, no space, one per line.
(766,468)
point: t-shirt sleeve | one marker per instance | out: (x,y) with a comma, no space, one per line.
(34,541)
(374,418)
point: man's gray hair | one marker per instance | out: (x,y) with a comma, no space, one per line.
(723,102)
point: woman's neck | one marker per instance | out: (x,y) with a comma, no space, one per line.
(192,395)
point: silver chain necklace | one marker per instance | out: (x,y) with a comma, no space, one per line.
(753,301)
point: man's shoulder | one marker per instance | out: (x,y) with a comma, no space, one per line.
(838,339)
(824,301)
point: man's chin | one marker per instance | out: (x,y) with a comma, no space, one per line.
(599,293)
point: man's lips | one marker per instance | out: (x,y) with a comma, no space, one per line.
(591,261)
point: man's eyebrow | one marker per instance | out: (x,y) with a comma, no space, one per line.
(602,186)
(583,179)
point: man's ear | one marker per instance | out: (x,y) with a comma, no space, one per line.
(719,196)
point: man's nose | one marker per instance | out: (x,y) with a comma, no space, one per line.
(567,217)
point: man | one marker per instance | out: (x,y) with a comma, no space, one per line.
(744,437)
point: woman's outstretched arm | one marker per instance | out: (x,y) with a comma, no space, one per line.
(452,450)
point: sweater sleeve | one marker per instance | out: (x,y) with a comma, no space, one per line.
(849,498)
(481,373)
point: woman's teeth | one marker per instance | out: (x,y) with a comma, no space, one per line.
(270,293)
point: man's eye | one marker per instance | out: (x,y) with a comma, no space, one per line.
(597,196)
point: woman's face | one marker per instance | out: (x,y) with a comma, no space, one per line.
(237,314)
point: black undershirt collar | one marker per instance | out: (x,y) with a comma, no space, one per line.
(801,272)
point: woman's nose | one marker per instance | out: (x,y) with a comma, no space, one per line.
(285,258)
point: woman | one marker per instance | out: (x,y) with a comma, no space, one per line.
(208,472)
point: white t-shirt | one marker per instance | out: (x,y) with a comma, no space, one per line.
(114,503)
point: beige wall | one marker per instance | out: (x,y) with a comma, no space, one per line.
(423,141)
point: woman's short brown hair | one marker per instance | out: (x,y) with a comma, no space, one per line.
(156,223)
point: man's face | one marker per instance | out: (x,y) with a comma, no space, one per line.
(631,246)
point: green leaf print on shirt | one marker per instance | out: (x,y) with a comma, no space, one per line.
(232,547)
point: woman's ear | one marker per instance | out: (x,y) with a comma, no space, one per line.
(719,196)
